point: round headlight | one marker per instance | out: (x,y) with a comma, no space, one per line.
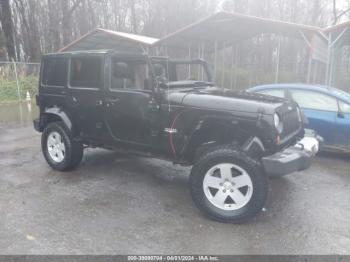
(278,123)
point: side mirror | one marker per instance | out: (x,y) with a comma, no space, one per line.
(341,114)
(158,70)
(162,85)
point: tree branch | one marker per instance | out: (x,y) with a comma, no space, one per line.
(72,9)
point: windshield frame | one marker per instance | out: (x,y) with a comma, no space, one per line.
(170,66)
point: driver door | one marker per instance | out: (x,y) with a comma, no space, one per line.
(131,110)
(321,111)
(342,135)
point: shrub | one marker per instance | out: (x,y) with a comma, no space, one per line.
(8,88)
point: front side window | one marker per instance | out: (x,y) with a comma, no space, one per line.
(129,74)
(273,92)
(344,107)
(86,72)
(55,72)
(314,100)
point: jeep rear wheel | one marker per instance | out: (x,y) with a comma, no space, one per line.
(227,185)
(60,150)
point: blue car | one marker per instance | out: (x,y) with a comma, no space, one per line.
(327,110)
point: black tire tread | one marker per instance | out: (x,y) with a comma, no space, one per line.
(74,148)
(196,180)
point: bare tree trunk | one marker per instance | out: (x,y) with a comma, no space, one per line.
(67,19)
(8,28)
(54,25)
(133,16)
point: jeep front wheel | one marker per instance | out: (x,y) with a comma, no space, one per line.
(227,185)
(60,150)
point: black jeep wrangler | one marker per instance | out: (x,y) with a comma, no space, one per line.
(171,110)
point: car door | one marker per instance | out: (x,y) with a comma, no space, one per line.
(85,93)
(321,111)
(131,109)
(342,137)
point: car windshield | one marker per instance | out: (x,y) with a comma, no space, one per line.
(191,72)
(170,71)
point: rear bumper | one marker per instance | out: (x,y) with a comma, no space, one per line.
(293,159)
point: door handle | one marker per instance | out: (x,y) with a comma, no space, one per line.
(74,101)
(99,103)
(112,102)
(153,106)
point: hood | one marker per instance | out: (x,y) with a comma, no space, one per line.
(226,100)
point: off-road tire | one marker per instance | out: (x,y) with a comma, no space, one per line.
(73,149)
(228,154)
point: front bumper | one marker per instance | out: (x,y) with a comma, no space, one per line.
(295,158)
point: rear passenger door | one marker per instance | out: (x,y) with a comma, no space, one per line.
(85,93)
(342,138)
(321,111)
(53,83)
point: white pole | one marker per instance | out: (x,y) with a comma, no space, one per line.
(216,59)
(17,82)
(199,57)
(189,58)
(236,66)
(278,60)
(232,62)
(202,69)
(309,70)
(328,59)
(223,65)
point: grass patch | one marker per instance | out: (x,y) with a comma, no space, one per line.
(8,88)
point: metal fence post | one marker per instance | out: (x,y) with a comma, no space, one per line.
(278,60)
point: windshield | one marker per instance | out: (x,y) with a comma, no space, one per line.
(192,72)
(170,71)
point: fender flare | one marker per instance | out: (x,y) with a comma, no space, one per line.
(61,114)
(197,127)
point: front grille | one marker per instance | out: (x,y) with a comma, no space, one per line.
(291,123)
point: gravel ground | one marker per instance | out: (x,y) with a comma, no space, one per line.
(122,204)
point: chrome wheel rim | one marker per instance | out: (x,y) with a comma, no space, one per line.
(228,186)
(56,147)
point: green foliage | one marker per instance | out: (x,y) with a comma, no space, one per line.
(8,88)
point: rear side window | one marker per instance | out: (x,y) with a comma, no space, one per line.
(273,92)
(314,100)
(55,72)
(86,72)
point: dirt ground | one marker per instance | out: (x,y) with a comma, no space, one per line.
(122,204)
